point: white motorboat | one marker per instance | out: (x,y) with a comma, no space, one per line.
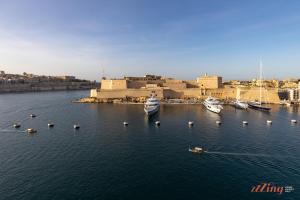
(241,104)
(196,150)
(151,106)
(213,105)
(238,103)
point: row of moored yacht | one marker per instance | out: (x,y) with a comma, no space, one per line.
(212,104)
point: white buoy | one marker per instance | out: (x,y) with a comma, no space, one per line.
(157,123)
(125,123)
(269,122)
(245,123)
(191,123)
(293,121)
(50,125)
(76,126)
(31,130)
(218,122)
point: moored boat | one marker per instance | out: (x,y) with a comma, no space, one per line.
(213,105)
(151,106)
(258,106)
(240,104)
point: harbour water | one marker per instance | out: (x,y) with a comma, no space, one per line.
(105,160)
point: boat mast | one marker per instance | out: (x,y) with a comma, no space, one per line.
(260,80)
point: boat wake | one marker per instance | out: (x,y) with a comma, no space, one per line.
(237,154)
(12,131)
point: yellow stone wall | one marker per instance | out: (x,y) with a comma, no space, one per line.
(210,82)
(119,94)
(113,84)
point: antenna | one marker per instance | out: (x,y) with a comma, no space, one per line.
(103,72)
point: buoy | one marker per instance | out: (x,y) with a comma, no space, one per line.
(17,125)
(125,123)
(50,125)
(293,121)
(157,123)
(31,130)
(245,123)
(32,115)
(269,122)
(76,126)
(191,123)
(218,122)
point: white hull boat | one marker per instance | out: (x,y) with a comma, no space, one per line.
(213,105)
(151,106)
(240,104)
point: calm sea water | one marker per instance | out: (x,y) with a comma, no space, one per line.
(105,160)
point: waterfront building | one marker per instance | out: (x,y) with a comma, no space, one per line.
(294,95)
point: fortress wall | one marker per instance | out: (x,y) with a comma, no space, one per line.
(113,84)
(247,94)
(35,87)
(268,95)
(175,86)
(191,84)
(93,93)
(120,94)
(136,84)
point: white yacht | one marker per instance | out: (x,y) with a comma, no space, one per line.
(213,105)
(151,106)
(241,104)
(238,103)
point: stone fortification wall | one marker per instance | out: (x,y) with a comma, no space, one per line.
(247,94)
(121,94)
(113,84)
(47,86)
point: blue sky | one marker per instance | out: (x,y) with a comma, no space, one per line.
(181,39)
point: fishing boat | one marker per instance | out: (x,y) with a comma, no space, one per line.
(196,150)
(213,104)
(257,105)
(151,106)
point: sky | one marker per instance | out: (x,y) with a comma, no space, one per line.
(181,39)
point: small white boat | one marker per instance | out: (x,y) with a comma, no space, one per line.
(76,126)
(157,123)
(32,115)
(125,123)
(240,104)
(218,122)
(31,130)
(213,105)
(151,106)
(293,121)
(16,125)
(196,150)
